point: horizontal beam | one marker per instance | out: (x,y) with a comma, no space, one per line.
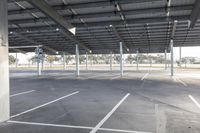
(80,5)
(107,23)
(195,13)
(18,50)
(61,21)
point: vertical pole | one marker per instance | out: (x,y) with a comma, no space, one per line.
(77,60)
(137,56)
(165,59)
(64,61)
(121,59)
(111,58)
(172,57)
(42,63)
(16,62)
(180,55)
(39,66)
(86,63)
(4,74)
(39,61)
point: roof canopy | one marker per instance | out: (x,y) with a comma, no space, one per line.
(144,25)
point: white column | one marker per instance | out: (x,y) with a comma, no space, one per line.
(121,59)
(77,60)
(4,74)
(172,57)
(137,56)
(43,65)
(39,60)
(111,58)
(39,67)
(86,62)
(165,59)
(64,61)
(16,62)
(180,55)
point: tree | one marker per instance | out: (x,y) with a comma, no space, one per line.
(130,59)
(160,59)
(142,58)
(51,59)
(68,58)
(116,58)
(105,58)
(12,60)
(82,59)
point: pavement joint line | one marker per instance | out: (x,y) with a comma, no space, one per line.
(74,127)
(144,76)
(21,93)
(194,100)
(109,114)
(32,109)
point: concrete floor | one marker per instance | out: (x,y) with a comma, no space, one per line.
(98,101)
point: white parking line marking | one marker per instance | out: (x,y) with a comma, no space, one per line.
(96,76)
(75,127)
(21,93)
(179,80)
(194,100)
(109,114)
(50,125)
(183,83)
(121,131)
(117,76)
(44,104)
(144,76)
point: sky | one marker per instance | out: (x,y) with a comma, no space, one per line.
(186,52)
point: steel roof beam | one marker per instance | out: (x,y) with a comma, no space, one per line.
(107,23)
(195,13)
(81,5)
(18,50)
(61,21)
(102,14)
(119,37)
(174,29)
(34,42)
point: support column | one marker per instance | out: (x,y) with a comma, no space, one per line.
(165,59)
(172,57)
(137,56)
(121,59)
(86,63)
(111,58)
(39,56)
(77,60)
(64,61)
(39,67)
(4,74)
(16,62)
(43,64)
(180,55)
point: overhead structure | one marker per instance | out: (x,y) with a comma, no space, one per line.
(48,23)
(195,14)
(119,37)
(50,12)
